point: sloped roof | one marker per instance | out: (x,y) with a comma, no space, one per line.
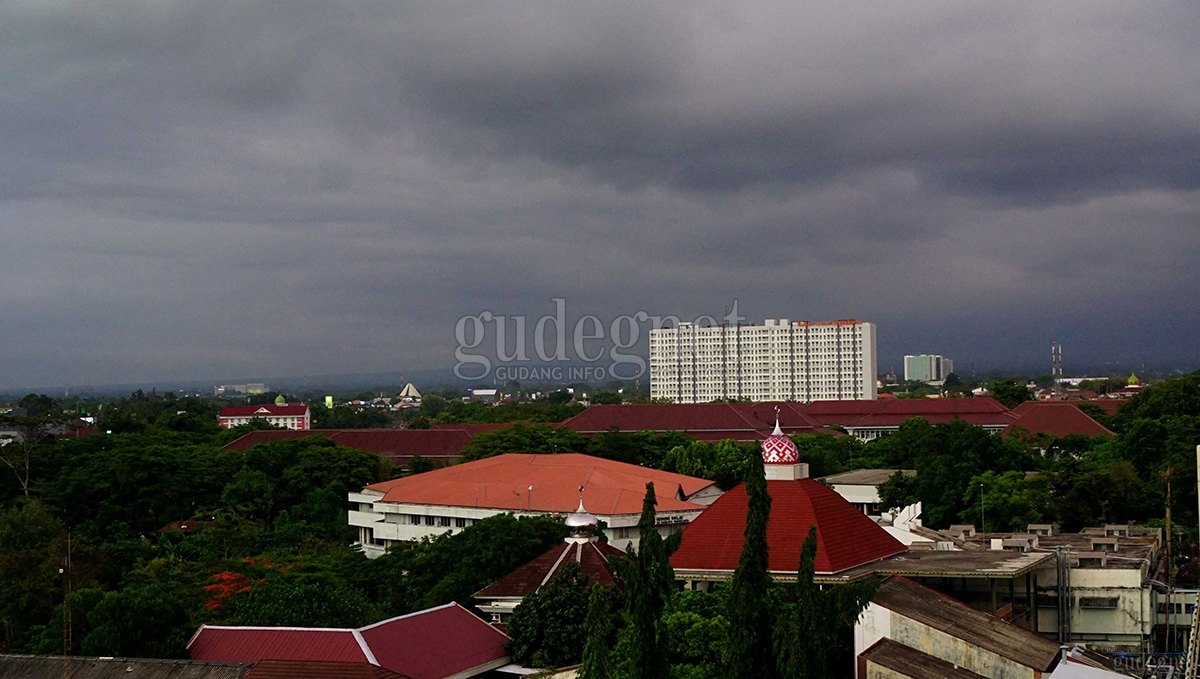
(891,412)
(41,667)
(503,481)
(1060,418)
(845,536)
(936,610)
(435,643)
(319,669)
(592,558)
(737,421)
(865,477)
(397,445)
(251,644)
(909,662)
(265,410)
(431,644)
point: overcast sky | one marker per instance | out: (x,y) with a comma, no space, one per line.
(208,189)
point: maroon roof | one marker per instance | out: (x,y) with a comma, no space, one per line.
(705,421)
(397,445)
(845,536)
(319,669)
(850,413)
(266,409)
(1054,417)
(592,558)
(999,419)
(251,644)
(435,643)
(431,644)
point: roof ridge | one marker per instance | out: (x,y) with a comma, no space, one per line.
(366,648)
(553,568)
(401,617)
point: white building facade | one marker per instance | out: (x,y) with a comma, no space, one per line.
(780,360)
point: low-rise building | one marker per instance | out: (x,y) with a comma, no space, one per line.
(287,415)
(860,487)
(452,498)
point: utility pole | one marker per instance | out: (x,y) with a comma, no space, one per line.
(1193,642)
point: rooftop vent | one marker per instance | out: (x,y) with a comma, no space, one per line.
(1014,544)
(1092,559)
(922,546)
(1112,530)
(1106,544)
(962,530)
(1043,529)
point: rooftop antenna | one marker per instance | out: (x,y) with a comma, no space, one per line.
(1056,369)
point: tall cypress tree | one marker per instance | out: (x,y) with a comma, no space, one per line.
(750,648)
(599,630)
(649,581)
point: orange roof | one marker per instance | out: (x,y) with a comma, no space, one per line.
(503,482)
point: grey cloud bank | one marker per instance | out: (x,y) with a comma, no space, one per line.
(201,189)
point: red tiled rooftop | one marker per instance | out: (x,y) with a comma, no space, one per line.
(1054,417)
(397,445)
(592,558)
(705,421)
(431,644)
(503,481)
(845,536)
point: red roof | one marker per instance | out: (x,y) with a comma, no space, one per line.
(251,644)
(397,445)
(435,643)
(430,644)
(706,421)
(592,558)
(1054,417)
(845,536)
(849,413)
(503,481)
(319,669)
(266,410)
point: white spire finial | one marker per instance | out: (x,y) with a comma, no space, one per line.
(778,431)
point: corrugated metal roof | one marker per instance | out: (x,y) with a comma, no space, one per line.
(1057,418)
(909,662)
(53,667)
(592,558)
(250,644)
(435,643)
(971,625)
(319,669)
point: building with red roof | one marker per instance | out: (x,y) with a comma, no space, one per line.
(582,548)
(846,538)
(451,498)
(704,421)
(1057,418)
(437,643)
(287,415)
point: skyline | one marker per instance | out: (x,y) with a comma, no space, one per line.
(197,191)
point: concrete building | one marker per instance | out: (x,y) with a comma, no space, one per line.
(860,487)
(450,499)
(293,416)
(927,368)
(780,360)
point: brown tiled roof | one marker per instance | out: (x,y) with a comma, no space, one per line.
(592,558)
(397,445)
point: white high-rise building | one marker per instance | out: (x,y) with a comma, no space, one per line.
(927,368)
(778,361)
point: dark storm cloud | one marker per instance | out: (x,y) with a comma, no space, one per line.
(215,189)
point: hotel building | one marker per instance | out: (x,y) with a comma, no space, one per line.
(781,360)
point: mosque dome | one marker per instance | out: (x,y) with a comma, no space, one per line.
(779,449)
(280,400)
(581,523)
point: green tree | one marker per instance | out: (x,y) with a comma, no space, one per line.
(1010,393)
(320,600)
(600,629)
(547,628)
(146,621)
(749,612)
(649,581)
(898,491)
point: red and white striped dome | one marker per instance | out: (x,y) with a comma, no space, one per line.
(779,449)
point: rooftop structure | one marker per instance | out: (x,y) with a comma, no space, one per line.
(779,360)
(704,421)
(437,643)
(451,498)
(1059,418)
(712,544)
(860,487)
(39,666)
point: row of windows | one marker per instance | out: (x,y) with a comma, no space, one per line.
(437,521)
